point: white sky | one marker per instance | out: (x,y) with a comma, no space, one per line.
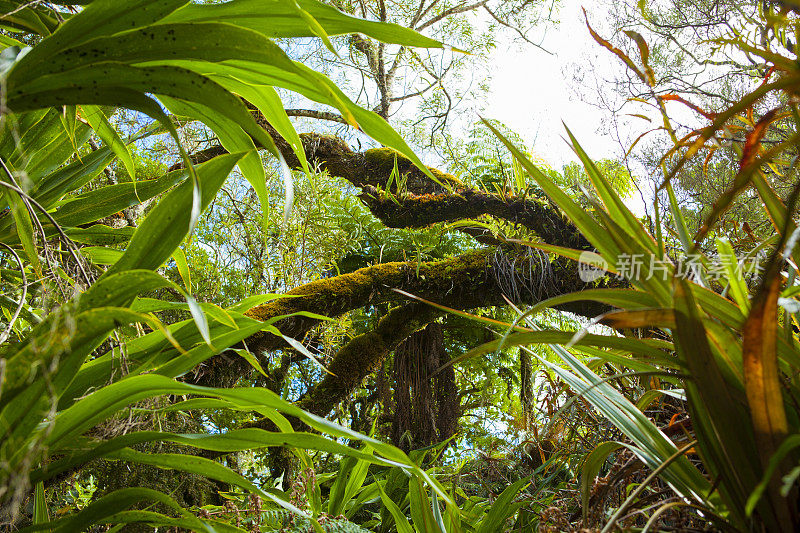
(531,90)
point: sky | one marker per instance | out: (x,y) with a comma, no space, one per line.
(531,90)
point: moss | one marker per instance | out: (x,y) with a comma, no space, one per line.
(418,211)
(340,294)
(381,160)
(463,282)
(359,358)
(364,354)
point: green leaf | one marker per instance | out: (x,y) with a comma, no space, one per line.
(680,222)
(111,199)
(183,269)
(40,514)
(255,300)
(81,451)
(234,139)
(199,319)
(53,186)
(596,234)
(400,521)
(646,347)
(68,118)
(24,226)
(733,273)
(108,134)
(98,511)
(421,510)
(613,203)
(278,18)
(98,234)
(101,17)
(303,350)
(121,288)
(184,523)
(715,406)
(100,255)
(266,99)
(251,360)
(351,475)
(319,88)
(168,224)
(502,508)
(591,468)
(651,445)
(26,395)
(32,19)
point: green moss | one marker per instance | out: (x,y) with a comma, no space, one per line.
(382,160)
(364,354)
(340,294)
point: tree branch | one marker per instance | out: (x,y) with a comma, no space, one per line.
(313,113)
(428,202)
(463,8)
(364,354)
(418,211)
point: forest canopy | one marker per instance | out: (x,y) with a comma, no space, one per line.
(268,265)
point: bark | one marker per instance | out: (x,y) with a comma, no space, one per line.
(416,211)
(476,279)
(416,360)
(447,400)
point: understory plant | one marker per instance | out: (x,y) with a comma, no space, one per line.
(698,329)
(82,347)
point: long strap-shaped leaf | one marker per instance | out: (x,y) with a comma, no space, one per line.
(715,407)
(278,18)
(764,389)
(101,17)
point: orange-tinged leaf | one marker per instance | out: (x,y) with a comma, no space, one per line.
(753,140)
(707,160)
(676,98)
(763,386)
(644,53)
(761,377)
(642,318)
(616,51)
(640,137)
(639,115)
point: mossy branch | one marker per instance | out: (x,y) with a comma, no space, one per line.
(477,279)
(426,202)
(417,211)
(474,279)
(364,354)
(480,278)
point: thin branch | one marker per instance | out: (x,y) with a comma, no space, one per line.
(452,11)
(313,113)
(4,336)
(520,32)
(70,245)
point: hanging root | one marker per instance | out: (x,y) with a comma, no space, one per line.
(524,277)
